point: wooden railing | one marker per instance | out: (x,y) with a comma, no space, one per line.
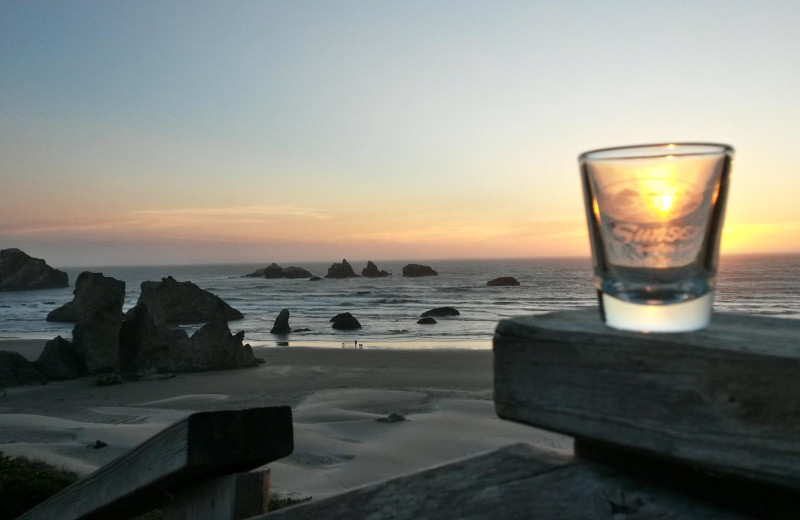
(192,469)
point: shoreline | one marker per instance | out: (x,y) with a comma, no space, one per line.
(31,347)
(337,396)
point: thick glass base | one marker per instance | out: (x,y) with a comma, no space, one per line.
(677,317)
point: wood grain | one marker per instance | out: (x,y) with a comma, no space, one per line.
(724,399)
(516,482)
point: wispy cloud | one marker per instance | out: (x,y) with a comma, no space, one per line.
(198,220)
(450,232)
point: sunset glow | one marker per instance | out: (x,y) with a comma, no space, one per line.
(320,131)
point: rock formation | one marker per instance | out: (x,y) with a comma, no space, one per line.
(148,345)
(503,281)
(213,347)
(296,272)
(60,360)
(20,272)
(414,270)
(281,325)
(441,311)
(67,313)
(345,321)
(98,301)
(342,270)
(427,320)
(275,271)
(185,302)
(15,370)
(371,271)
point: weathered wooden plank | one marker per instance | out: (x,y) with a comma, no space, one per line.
(724,399)
(758,499)
(231,497)
(204,445)
(516,482)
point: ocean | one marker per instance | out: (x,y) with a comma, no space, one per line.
(388,308)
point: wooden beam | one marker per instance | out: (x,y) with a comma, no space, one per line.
(724,399)
(516,482)
(201,446)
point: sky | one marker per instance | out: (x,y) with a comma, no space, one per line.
(266,131)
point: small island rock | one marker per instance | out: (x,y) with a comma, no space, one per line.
(281,325)
(275,271)
(342,270)
(503,281)
(371,271)
(414,270)
(20,272)
(441,311)
(296,272)
(427,320)
(345,321)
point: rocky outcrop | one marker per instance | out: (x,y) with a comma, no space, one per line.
(281,325)
(267,272)
(60,360)
(98,301)
(213,347)
(441,311)
(275,271)
(315,279)
(67,313)
(296,272)
(146,343)
(342,270)
(427,320)
(345,321)
(371,271)
(185,302)
(20,272)
(414,270)
(15,370)
(503,281)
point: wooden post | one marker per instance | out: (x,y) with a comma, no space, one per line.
(232,497)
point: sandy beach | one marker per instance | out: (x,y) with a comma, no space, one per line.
(336,396)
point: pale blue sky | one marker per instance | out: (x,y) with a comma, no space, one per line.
(316,130)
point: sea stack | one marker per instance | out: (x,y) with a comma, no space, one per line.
(371,271)
(20,272)
(343,270)
(415,270)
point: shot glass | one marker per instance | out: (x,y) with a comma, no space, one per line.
(655,216)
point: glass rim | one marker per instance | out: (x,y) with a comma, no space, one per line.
(645,151)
